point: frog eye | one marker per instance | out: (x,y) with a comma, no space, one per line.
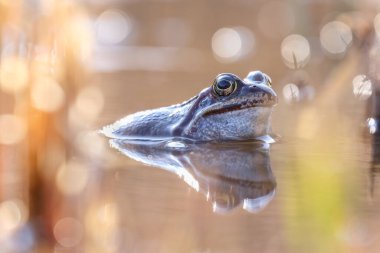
(268,81)
(256,76)
(224,85)
(259,77)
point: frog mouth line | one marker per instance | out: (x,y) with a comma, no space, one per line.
(236,107)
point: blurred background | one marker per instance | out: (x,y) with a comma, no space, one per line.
(69,67)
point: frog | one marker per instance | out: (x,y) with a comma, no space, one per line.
(231,108)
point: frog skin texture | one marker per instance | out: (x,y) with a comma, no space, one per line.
(230,109)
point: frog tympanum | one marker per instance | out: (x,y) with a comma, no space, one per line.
(230,109)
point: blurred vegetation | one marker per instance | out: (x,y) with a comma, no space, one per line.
(68,67)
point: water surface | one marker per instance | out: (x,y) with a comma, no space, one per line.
(316,186)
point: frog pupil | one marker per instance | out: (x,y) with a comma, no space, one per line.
(224,84)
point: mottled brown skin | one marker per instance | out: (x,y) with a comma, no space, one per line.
(231,109)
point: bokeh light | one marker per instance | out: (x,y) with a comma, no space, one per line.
(14,74)
(298,92)
(291,93)
(107,217)
(226,43)
(68,232)
(335,38)
(77,36)
(248,40)
(295,51)
(72,178)
(362,87)
(90,101)
(113,26)
(24,233)
(12,129)
(13,214)
(276,19)
(88,104)
(230,44)
(47,95)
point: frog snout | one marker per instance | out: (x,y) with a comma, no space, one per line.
(273,98)
(263,91)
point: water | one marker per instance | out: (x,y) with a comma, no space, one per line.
(293,204)
(315,189)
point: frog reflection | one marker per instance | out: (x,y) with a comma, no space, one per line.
(229,175)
